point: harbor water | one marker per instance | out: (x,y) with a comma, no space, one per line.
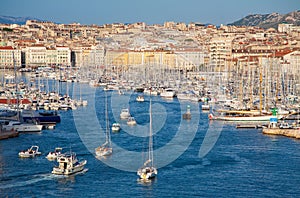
(194,157)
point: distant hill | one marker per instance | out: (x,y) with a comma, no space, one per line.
(15,20)
(269,20)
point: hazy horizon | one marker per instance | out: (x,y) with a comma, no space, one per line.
(88,12)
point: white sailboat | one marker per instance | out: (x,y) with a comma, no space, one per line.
(148,171)
(105,149)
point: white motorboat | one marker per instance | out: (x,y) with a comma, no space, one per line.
(131,121)
(115,127)
(205,107)
(23,127)
(31,152)
(54,154)
(121,92)
(68,164)
(125,114)
(140,98)
(168,93)
(148,171)
(151,92)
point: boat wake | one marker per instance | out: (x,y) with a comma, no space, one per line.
(35,179)
(146,182)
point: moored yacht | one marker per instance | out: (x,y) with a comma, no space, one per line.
(131,121)
(23,127)
(168,93)
(124,114)
(115,127)
(140,98)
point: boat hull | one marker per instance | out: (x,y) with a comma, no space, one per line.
(147,173)
(106,152)
(41,117)
(242,118)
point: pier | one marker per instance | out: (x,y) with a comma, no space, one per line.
(294,133)
(8,134)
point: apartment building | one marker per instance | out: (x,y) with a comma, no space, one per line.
(7,57)
(39,55)
(220,51)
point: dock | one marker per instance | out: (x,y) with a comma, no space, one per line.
(247,126)
(294,133)
(8,134)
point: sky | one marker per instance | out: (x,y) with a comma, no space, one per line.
(100,12)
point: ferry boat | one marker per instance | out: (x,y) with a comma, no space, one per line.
(68,164)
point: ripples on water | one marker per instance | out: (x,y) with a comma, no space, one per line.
(243,163)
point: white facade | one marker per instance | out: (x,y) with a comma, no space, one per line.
(7,57)
(97,54)
(188,59)
(63,56)
(220,51)
(37,56)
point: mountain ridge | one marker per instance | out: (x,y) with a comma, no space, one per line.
(268,20)
(261,20)
(15,20)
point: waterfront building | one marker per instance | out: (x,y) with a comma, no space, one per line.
(35,56)
(7,57)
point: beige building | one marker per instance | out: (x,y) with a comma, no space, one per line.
(179,59)
(35,56)
(7,57)
(39,55)
(220,51)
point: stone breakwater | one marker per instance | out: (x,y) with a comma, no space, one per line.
(294,133)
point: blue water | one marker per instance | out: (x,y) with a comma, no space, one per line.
(242,163)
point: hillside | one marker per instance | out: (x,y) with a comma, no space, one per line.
(269,20)
(15,20)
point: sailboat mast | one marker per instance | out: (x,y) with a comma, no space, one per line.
(107,121)
(260,89)
(16,90)
(150,132)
